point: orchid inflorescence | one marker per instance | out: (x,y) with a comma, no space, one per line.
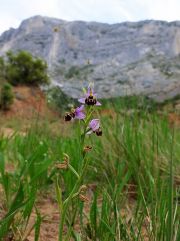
(90,99)
(83,113)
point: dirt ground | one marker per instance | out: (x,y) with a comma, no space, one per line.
(49,228)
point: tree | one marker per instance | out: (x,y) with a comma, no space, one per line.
(23,68)
(6,96)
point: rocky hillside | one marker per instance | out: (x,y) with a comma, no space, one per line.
(125,58)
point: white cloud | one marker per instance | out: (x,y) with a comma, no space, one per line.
(12,12)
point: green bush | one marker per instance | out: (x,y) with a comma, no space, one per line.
(6,96)
(2,69)
(23,68)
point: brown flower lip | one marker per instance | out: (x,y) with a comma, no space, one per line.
(90,100)
(69,116)
(98,132)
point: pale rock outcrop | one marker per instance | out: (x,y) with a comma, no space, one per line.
(122,59)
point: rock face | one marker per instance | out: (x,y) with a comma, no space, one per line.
(121,59)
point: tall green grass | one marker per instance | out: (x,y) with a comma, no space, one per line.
(134,167)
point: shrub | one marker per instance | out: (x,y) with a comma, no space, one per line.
(6,96)
(23,68)
(2,69)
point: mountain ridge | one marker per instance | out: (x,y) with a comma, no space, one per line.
(121,59)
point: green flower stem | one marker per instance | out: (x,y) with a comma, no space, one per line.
(86,122)
(68,200)
(59,195)
(71,224)
(73,193)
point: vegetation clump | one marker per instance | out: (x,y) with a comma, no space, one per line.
(6,96)
(23,68)
(2,68)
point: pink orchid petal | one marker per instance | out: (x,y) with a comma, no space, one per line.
(81,108)
(80,116)
(82,100)
(89,90)
(98,103)
(94,124)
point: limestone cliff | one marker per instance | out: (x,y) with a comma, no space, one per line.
(124,58)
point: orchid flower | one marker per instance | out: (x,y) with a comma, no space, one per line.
(77,113)
(94,126)
(90,98)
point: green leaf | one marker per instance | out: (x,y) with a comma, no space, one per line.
(17,203)
(37,226)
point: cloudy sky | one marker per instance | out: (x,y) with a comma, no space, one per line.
(12,12)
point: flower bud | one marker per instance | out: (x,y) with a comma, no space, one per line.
(83,189)
(82,194)
(65,164)
(87,148)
